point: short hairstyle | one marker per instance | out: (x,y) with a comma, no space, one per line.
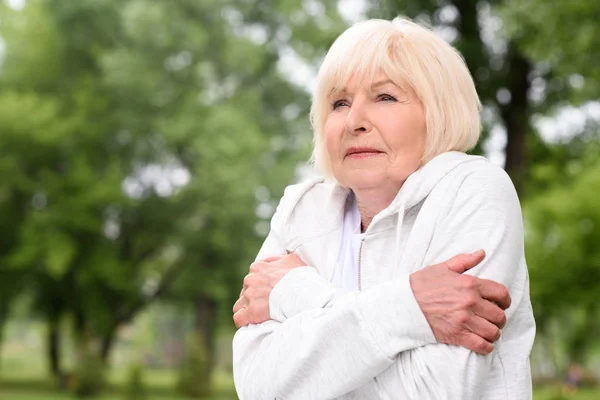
(415,59)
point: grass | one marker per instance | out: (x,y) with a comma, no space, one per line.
(24,395)
(18,385)
(56,396)
(23,372)
(159,386)
(553,394)
(33,394)
(40,390)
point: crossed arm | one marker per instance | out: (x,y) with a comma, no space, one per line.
(461,309)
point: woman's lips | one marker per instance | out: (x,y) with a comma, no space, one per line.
(364,154)
(358,153)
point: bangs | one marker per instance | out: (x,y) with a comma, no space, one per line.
(361,56)
(361,61)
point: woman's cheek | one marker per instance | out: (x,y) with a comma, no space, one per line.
(331,150)
(332,139)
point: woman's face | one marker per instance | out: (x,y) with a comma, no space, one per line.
(375,134)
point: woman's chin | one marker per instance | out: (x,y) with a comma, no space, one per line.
(362,180)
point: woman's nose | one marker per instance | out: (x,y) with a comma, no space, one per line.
(357,120)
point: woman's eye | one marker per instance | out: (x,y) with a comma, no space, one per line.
(386,97)
(339,103)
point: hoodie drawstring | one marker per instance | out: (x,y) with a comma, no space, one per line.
(400,221)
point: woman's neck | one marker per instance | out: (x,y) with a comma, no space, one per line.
(371,202)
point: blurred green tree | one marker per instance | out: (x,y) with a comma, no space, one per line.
(562,216)
(562,233)
(137,142)
(563,36)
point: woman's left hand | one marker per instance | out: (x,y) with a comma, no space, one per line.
(253,305)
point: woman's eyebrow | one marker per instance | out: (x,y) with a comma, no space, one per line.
(344,91)
(381,83)
(337,92)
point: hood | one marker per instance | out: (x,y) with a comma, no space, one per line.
(420,183)
(417,187)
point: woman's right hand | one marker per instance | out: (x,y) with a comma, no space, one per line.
(461,309)
(253,305)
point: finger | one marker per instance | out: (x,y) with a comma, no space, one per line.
(476,343)
(271,259)
(250,279)
(258,312)
(256,266)
(495,292)
(464,262)
(490,312)
(241,318)
(239,304)
(484,329)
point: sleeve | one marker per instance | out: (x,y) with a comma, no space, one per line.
(331,349)
(485,214)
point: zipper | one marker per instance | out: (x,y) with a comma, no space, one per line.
(377,218)
(362,240)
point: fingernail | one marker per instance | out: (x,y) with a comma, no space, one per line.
(477,253)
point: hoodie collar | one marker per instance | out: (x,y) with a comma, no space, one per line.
(328,215)
(421,182)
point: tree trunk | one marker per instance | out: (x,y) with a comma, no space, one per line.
(2,320)
(106,345)
(515,116)
(470,43)
(54,355)
(206,311)
(5,300)
(195,378)
(79,323)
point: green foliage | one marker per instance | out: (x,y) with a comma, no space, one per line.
(130,160)
(562,233)
(573,29)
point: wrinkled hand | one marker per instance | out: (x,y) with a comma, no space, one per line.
(253,305)
(461,309)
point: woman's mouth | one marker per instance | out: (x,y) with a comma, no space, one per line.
(362,152)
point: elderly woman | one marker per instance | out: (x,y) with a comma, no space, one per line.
(351,296)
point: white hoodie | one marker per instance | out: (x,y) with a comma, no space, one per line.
(327,343)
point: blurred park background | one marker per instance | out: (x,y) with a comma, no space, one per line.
(145,143)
